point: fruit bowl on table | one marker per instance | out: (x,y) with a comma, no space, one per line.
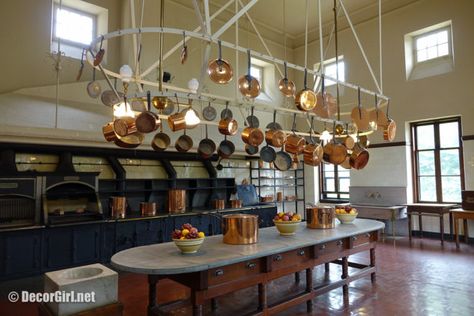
(346,214)
(189,245)
(287,228)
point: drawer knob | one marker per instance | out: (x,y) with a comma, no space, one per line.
(322,247)
(278,258)
(301,252)
(251,265)
(354,238)
(339,243)
(219,272)
(367,235)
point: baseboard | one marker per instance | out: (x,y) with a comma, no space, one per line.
(433,235)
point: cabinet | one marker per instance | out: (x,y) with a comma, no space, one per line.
(86,244)
(20,253)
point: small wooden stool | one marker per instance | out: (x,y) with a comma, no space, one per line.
(458,214)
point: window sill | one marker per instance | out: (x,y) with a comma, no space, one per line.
(333,201)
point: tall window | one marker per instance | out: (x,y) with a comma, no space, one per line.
(437,153)
(432,45)
(334,182)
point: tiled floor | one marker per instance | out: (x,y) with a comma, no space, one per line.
(422,279)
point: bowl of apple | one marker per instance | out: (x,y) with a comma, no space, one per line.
(188,239)
(287,223)
(346,214)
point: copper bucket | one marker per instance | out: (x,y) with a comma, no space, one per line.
(148,208)
(176,201)
(218,204)
(240,229)
(322,217)
(118,206)
(235,203)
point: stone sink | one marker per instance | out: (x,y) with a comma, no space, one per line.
(96,279)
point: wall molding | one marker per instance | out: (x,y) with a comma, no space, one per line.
(382,145)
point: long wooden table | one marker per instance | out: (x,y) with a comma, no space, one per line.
(218,268)
(430,209)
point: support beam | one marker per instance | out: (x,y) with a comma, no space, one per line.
(360,46)
(197,10)
(180,43)
(234,18)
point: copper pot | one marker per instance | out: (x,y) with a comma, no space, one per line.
(219,70)
(275,138)
(228,126)
(176,201)
(320,217)
(334,153)
(359,157)
(390,130)
(218,204)
(305,100)
(294,144)
(117,206)
(235,203)
(109,132)
(248,85)
(125,126)
(160,141)
(148,208)
(252,136)
(177,121)
(130,141)
(313,154)
(240,229)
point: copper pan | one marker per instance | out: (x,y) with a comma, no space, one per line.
(390,130)
(206,147)
(130,141)
(226,148)
(109,133)
(228,126)
(252,136)
(275,137)
(294,144)
(359,157)
(125,126)
(147,121)
(248,85)
(161,141)
(219,70)
(359,115)
(334,152)
(286,87)
(184,143)
(305,100)
(177,121)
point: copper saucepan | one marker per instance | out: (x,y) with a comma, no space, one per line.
(184,143)
(275,137)
(228,126)
(226,148)
(130,141)
(305,100)
(148,208)
(219,70)
(359,157)
(359,115)
(161,141)
(206,147)
(240,229)
(147,121)
(286,87)
(252,136)
(249,85)
(177,121)
(93,87)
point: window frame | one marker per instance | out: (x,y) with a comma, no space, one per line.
(78,11)
(329,62)
(446,28)
(262,74)
(323,193)
(437,149)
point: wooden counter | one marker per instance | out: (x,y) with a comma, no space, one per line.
(219,268)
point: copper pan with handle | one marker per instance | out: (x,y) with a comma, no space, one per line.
(147,121)
(359,115)
(390,129)
(248,85)
(219,70)
(275,137)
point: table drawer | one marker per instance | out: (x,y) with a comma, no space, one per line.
(289,258)
(361,239)
(235,271)
(330,247)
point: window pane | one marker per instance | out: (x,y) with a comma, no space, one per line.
(449,134)
(421,43)
(442,37)
(256,72)
(432,52)
(330,185)
(344,185)
(73,26)
(421,55)
(426,163)
(427,189)
(425,137)
(344,196)
(450,162)
(451,189)
(332,195)
(330,70)
(443,49)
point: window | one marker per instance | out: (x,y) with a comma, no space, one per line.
(76,24)
(437,154)
(429,51)
(257,72)
(433,45)
(335,182)
(330,69)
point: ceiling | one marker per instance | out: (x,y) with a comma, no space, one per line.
(268,15)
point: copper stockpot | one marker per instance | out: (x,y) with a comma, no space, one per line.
(294,144)
(228,126)
(320,217)
(125,126)
(252,136)
(218,204)
(117,206)
(275,138)
(148,208)
(240,229)
(176,201)
(313,154)
(177,121)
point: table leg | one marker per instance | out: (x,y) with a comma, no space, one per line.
(197,303)
(393,227)
(441,227)
(326,267)
(456,230)
(309,288)
(213,304)
(345,274)
(466,231)
(262,296)
(297,277)
(420,222)
(372,264)
(451,225)
(409,226)
(152,281)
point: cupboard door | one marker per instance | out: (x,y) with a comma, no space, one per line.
(126,235)
(86,244)
(58,248)
(22,254)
